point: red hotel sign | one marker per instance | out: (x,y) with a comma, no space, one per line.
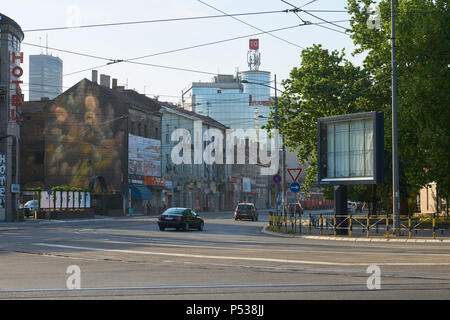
(17,96)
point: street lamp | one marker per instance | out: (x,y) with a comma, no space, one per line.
(283,155)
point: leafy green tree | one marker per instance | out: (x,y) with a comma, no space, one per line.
(327,84)
(422,43)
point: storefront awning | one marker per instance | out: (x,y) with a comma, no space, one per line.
(140,193)
(159,188)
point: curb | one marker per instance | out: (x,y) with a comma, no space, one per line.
(348,239)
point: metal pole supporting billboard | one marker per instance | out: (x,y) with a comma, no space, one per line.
(395,182)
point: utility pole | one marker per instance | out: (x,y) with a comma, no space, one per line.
(395,182)
(276,128)
(283,158)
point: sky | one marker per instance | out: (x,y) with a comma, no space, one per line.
(279,56)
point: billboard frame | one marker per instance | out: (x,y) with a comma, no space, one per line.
(378,149)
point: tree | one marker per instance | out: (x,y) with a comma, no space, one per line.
(326,84)
(422,42)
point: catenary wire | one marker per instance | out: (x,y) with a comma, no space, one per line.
(152,21)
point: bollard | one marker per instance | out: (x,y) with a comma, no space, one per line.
(434,226)
(442,228)
(376,227)
(368,227)
(387,226)
(350,227)
(335,227)
(410,227)
(321,224)
(310,223)
(270,221)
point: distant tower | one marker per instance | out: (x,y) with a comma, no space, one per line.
(45,76)
(253,55)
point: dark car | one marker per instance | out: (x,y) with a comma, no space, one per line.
(246,211)
(29,207)
(180,219)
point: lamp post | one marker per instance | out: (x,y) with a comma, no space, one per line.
(395,178)
(283,155)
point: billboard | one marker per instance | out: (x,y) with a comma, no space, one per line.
(350,149)
(144,156)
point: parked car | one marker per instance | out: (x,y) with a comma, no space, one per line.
(28,207)
(351,206)
(246,211)
(180,219)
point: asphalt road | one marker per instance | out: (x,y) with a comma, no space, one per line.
(129,258)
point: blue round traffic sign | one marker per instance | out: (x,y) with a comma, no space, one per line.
(295,187)
(276,178)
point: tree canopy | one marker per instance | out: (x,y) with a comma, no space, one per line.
(326,84)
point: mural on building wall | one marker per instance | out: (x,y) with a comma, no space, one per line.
(84,137)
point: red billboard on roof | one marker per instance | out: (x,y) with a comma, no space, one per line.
(254,44)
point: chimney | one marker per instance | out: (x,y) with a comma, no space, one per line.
(95,76)
(114,84)
(105,80)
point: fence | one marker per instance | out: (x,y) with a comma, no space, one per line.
(352,225)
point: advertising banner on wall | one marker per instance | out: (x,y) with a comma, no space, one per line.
(144,156)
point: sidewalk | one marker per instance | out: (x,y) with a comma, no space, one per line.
(358,238)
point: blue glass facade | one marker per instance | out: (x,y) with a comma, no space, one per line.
(232,103)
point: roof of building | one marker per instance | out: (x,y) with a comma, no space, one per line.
(34,106)
(7,20)
(205,119)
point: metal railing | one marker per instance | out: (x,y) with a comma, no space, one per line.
(359,226)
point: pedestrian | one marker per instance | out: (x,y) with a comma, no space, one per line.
(149,208)
(364,206)
(358,207)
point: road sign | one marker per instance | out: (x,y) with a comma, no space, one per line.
(298,174)
(276,178)
(295,187)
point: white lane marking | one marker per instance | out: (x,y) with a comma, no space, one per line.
(184,255)
(224,286)
(156,244)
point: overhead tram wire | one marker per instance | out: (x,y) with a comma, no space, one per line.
(248,24)
(298,9)
(153,21)
(114,61)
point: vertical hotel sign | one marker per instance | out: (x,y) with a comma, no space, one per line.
(16,97)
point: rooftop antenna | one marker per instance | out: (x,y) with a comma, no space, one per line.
(46,43)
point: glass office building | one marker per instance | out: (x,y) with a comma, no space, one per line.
(234,104)
(45,77)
